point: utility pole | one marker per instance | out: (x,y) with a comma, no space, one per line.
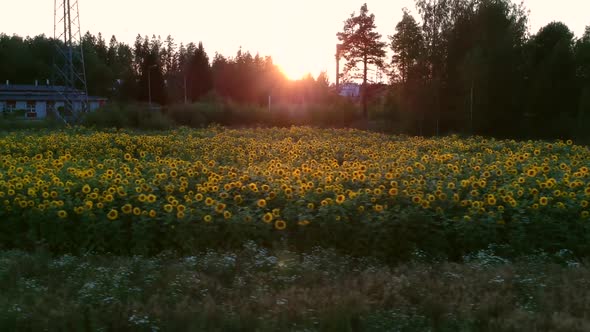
(185,101)
(338,50)
(471,107)
(150,85)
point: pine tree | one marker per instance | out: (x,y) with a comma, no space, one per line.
(361,44)
(407,44)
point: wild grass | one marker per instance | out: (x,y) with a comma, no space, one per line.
(256,289)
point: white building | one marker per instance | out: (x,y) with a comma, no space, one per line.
(351,90)
(37,101)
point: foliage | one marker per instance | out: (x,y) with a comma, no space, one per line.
(553,74)
(12,124)
(127,116)
(358,192)
(406,45)
(198,115)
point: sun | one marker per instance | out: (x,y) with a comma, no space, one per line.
(293,72)
(297,69)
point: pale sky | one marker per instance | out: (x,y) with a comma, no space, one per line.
(300,35)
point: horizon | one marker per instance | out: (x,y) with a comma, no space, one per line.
(279,30)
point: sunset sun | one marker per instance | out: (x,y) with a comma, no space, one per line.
(294,70)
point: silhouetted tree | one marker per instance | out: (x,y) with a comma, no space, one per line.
(407,45)
(362,44)
(583,69)
(199,77)
(552,73)
(408,74)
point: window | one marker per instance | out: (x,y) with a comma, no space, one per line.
(31,106)
(10,106)
(31,109)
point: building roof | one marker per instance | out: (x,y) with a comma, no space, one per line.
(24,92)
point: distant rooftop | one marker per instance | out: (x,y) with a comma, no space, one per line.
(39,92)
(32,88)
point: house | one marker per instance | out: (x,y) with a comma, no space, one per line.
(37,101)
(351,90)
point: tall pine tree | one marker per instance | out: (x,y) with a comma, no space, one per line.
(362,44)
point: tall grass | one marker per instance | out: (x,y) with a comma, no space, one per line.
(255,289)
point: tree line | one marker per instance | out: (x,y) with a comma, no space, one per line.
(471,66)
(161,69)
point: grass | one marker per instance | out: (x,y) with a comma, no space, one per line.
(256,289)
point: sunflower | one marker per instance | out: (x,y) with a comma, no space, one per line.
(340,199)
(151,198)
(136,211)
(543,201)
(220,207)
(152,213)
(267,218)
(168,208)
(113,214)
(276,212)
(86,189)
(207,218)
(280,225)
(209,201)
(378,207)
(303,222)
(127,208)
(62,214)
(226,214)
(261,203)
(491,200)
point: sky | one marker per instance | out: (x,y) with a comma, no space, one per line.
(300,35)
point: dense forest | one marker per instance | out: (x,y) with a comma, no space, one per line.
(461,66)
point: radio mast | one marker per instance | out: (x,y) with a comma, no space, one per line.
(69,73)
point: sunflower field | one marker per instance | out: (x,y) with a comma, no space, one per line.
(80,190)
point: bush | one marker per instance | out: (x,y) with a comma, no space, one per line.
(127,116)
(337,113)
(9,124)
(198,115)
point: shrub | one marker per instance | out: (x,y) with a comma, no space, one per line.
(198,115)
(127,116)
